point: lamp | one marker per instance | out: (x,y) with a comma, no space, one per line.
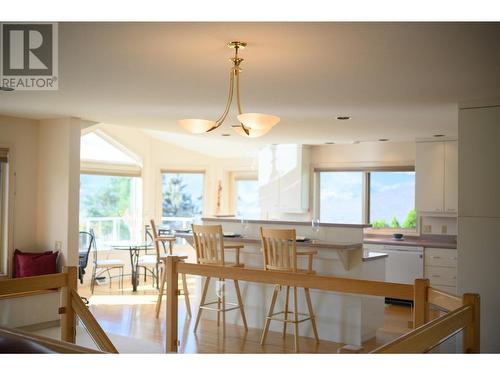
(251,125)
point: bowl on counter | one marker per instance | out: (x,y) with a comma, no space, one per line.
(398,236)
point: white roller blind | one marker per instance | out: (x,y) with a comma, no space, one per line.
(4,153)
(107,169)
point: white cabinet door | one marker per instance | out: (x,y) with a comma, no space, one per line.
(451,177)
(429,168)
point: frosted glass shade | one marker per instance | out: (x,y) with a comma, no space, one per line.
(258,121)
(196,125)
(253,133)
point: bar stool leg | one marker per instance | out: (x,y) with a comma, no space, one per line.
(296,319)
(223,292)
(269,315)
(218,304)
(186,295)
(160,293)
(240,303)
(285,310)
(202,302)
(311,313)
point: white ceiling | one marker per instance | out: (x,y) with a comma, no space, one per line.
(400,81)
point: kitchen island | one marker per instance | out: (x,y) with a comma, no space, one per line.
(343,318)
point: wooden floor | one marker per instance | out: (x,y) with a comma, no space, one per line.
(132,314)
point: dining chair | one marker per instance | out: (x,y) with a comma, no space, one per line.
(160,268)
(209,244)
(85,245)
(105,265)
(149,262)
(280,253)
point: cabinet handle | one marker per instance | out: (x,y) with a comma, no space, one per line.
(435,257)
(435,276)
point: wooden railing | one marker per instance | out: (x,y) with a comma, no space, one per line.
(72,304)
(462,314)
(426,335)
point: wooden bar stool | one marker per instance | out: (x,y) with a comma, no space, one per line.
(209,244)
(280,254)
(160,262)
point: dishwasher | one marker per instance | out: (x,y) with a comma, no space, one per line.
(403,265)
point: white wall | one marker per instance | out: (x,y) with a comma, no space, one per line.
(479,215)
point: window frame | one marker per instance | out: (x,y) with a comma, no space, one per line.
(365,192)
(5,213)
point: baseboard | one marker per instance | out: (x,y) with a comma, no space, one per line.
(40,326)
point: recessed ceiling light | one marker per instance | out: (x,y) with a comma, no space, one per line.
(329,143)
(383,140)
(343,118)
(226,135)
(438,135)
(4,88)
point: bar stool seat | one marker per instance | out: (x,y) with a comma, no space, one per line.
(280,254)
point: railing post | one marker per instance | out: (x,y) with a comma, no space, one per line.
(172,302)
(420,305)
(68,317)
(472,334)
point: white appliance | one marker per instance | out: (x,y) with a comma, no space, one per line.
(404,264)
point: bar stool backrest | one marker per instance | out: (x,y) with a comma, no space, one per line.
(279,249)
(209,244)
(154,233)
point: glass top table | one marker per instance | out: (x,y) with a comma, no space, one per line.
(134,248)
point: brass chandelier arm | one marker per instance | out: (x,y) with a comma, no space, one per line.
(221,119)
(238,102)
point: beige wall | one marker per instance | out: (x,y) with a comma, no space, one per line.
(479,215)
(44,169)
(364,154)
(20,136)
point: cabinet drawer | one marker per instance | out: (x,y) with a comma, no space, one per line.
(440,257)
(441,275)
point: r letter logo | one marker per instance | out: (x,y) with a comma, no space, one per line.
(29,59)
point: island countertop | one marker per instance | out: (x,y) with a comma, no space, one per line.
(344,247)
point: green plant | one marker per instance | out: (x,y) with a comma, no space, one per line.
(394,223)
(411,220)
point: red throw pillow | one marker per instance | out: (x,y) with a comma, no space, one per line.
(18,253)
(30,265)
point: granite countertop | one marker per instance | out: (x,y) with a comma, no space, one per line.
(443,242)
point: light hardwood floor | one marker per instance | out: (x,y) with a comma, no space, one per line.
(133,315)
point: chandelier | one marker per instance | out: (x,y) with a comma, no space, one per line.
(251,124)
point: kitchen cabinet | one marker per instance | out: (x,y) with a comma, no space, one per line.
(436,169)
(440,267)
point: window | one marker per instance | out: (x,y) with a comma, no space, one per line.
(110,205)
(392,200)
(247,198)
(383,198)
(182,198)
(110,189)
(3,210)
(341,197)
